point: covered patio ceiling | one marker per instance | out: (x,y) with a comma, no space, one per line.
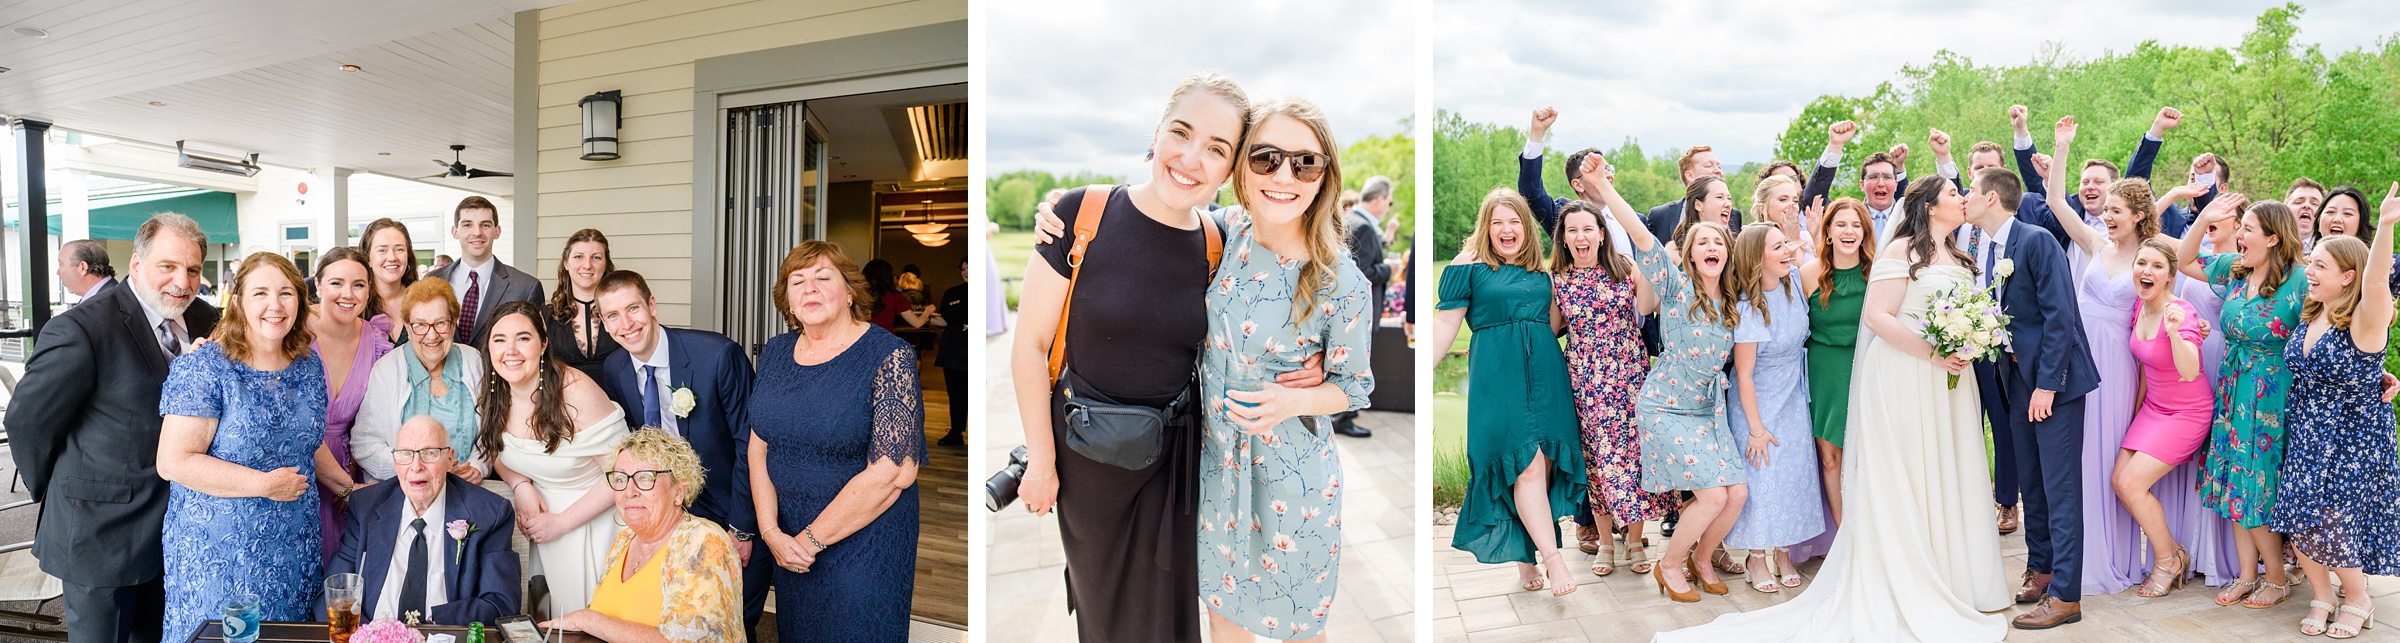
(235,77)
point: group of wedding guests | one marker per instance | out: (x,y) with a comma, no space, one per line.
(1238,333)
(405,429)
(2201,377)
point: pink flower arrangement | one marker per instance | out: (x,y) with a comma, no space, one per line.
(386,631)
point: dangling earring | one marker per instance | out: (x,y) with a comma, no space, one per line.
(1151,155)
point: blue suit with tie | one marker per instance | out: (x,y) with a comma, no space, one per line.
(479,574)
(2172,222)
(718,374)
(2047,351)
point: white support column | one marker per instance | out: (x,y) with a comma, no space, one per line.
(329,201)
(75,205)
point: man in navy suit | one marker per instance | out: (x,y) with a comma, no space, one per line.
(2096,174)
(2042,378)
(651,379)
(400,538)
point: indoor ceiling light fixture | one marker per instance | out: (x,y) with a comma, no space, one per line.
(157,104)
(30,32)
(928,228)
(352,68)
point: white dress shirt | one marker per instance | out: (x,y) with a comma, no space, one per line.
(483,277)
(183,336)
(97,285)
(387,603)
(666,400)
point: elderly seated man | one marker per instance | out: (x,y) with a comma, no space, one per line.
(428,542)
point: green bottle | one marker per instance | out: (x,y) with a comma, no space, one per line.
(475,633)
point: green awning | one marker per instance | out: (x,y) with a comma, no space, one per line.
(119,217)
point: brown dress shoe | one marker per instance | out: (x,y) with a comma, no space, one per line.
(2031,590)
(2050,613)
(2008,520)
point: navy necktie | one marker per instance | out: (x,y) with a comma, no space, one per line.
(650,396)
(412,590)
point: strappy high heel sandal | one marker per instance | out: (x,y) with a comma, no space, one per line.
(1791,575)
(1633,553)
(1725,563)
(1688,595)
(1762,573)
(2316,625)
(2161,582)
(1535,583)
(2283,593)
(2340,630)
(2236,592)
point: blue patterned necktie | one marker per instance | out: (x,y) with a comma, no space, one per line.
(650,395)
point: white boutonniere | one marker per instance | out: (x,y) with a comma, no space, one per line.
(684,401)
(2006,267)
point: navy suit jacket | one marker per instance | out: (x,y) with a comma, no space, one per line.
(482,575)
(2045,327)
(718,374)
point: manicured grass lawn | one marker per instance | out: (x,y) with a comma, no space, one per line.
(1449,449)
(1010,249)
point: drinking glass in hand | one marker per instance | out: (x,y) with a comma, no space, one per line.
(341,606)
(240,624)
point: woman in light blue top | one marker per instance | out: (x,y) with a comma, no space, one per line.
(1768,408)
(429,376)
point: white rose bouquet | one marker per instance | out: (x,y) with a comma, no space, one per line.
(1964,320)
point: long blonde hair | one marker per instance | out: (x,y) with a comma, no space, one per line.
(1321,223)
(1758,195)
(1746,263)
(2349,255)
(1529,257)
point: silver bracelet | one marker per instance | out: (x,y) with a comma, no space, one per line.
(811,534)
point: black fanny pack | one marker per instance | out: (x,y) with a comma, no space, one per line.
(1128,436)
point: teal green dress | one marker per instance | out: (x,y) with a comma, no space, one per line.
(1832,345)
(1518,404)
(2245,443)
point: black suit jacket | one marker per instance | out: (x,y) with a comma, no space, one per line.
(480,573)
(719,374)
(83,429)
(1366,250)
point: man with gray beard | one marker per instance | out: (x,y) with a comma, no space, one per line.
(84,430)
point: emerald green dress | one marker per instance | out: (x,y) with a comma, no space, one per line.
(1832,341)
(1518,403)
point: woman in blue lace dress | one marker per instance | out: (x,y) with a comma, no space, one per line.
(837,423)
(1270,484)
(244,431)
(2339,498)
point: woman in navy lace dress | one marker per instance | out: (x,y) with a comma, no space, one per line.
(838,431)
(244,431)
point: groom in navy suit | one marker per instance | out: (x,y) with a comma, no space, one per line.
(398,537)
(2040,381)
(659,367)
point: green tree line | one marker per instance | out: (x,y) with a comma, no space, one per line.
(2273,108)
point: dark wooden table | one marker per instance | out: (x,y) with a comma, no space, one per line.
(316,633)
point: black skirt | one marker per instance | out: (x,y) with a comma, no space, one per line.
(1131,537)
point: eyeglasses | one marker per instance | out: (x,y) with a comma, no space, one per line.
(643,480)
(409,456)
(1882,177)
(1308,167)
(420,328)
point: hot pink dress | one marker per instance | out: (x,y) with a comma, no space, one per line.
(2175,413)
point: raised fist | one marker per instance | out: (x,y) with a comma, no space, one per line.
(2167,119)
(1940,143)
(2016,117)
(1543,118)
(1900,156)
(1842,132)
(2041,164)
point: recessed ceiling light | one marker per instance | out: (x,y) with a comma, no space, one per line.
(351,68)
(30,32)
(383,153)
(157,104)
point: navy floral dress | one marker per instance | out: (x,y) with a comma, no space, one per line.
(218,547)
(2340,494)
(1605,366)
(823,424)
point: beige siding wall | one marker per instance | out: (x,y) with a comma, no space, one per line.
(646,49)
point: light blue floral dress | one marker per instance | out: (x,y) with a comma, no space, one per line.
(1686,444)
(216,547)
(1271,504)
(1786,504)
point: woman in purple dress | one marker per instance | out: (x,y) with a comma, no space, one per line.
(349,345)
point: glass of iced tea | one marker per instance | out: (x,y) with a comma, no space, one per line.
(341,606)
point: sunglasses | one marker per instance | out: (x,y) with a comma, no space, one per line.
(1308,167)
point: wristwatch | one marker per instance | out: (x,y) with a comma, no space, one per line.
(742,536)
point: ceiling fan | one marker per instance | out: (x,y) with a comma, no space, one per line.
(456,169)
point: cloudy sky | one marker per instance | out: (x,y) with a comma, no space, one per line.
(1733,74)
(1078,84)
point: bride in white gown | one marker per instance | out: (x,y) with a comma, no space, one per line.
(1916,558)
